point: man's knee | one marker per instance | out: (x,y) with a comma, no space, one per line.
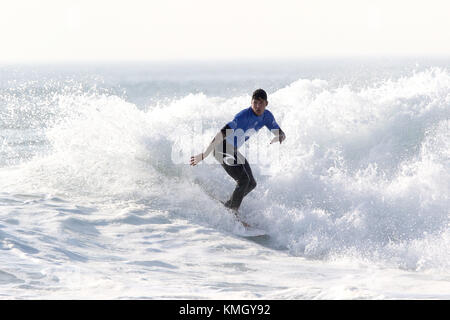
(244,181)
(247,182)
(252,184)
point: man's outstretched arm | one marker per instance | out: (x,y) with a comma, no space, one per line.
(218,139)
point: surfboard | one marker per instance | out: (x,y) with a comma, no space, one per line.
(250,232)
(246,230)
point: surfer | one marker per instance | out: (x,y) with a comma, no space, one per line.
(227,141)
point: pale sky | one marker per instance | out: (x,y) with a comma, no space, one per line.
(118,30)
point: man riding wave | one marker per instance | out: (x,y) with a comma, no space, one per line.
(227,141)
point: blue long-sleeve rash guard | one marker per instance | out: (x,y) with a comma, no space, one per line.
(246,123)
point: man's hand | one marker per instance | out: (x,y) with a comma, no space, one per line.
(280,137)
(196,159)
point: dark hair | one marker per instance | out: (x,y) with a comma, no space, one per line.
(259,94)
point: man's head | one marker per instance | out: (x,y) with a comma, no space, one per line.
(259,101)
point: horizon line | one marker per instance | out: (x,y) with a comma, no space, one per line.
(7,62)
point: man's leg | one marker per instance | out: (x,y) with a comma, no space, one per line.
(244,183)
(252,182)
(239,169)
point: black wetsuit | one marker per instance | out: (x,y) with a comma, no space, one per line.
(237,166)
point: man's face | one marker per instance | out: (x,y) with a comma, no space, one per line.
(259,105)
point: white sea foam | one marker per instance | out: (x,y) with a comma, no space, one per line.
(364,177)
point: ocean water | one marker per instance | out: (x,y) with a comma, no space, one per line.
(97,199)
